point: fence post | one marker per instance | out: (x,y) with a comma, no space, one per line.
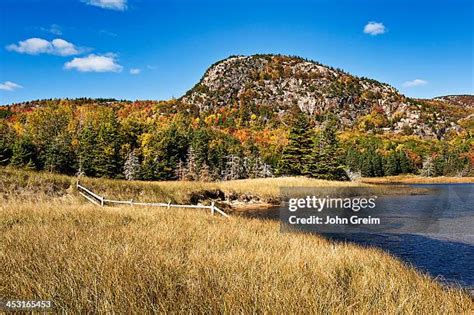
(169,204)
(212,208)
(131,202)
(101,201)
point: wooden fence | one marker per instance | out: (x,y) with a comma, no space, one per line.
(102,201)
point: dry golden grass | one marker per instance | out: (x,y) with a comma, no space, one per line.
(54,245)
(16,181)
(141,260)
(413,179)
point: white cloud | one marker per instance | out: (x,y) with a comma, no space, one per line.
(416,82)
(135,71)
(119,5)
(9,86)
(36,46)
(94,63)
(63,48)
(32,46)
(374,28)
(53,29)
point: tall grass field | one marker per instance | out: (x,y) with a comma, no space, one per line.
(88,259)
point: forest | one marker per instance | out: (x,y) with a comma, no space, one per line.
(168,140)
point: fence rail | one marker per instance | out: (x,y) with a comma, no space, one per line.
(102,201)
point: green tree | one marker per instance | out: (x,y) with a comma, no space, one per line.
(391,164)
(59,155)
(405,163)
(165,150)
(23,153)
(86,150)
(324,159)
(353,159)
(200,145)
(300,143)
(6,140)
(371,164)
(107,161)
(377,162)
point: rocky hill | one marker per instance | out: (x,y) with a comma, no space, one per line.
(466,101)
(282,83)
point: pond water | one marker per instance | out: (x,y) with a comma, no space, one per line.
(445,249)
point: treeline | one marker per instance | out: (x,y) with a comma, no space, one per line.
(372,157)
(161,141)
(112,142)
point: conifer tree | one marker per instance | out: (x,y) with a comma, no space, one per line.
(5,152)
(377,165)
(295,154)
(324,160)
(6,141)
(405,163)
(200,145)
(392,165)
(366,168)
(353,159)
(23,153)
(59,156)
(371,164)
(107,161)
(86,150)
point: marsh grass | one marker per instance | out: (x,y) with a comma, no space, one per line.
(54,245)
(21,182)
(413,179)
(140,260)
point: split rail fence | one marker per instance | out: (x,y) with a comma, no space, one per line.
(102,201)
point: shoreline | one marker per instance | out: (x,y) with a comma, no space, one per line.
(407,179)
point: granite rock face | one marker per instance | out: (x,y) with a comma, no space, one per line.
(283,83)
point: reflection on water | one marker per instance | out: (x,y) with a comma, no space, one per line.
(445,249)
(449,261)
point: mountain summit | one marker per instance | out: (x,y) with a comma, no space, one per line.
(282,83)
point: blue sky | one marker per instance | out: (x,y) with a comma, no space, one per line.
(144,49)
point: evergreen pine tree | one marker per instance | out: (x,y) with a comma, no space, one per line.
(391,165)
(59,156)
(299,147)
(200,145)
(366,166)
(107,161)
(6,140)
(405,163)
(353,159)
(439,165)
(324,160)
(5,152)
(23,153)
(377,165)
(86,150)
